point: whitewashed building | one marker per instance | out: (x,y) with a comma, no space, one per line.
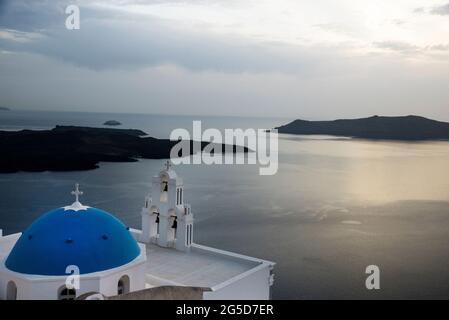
(78,250)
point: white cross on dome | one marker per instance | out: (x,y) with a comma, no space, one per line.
(76,206)
(77,192)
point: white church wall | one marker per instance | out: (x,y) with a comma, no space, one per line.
(253,286)
(136,275)
(135,272)
(4,279)
(41,288)
(146,226)
(50,290)
(229,255)
(31,287)
(137,234)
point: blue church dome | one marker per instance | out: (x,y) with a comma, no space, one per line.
(89,238)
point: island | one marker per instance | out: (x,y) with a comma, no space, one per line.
(4,109)
(375,127)
(112,123)
(66,148)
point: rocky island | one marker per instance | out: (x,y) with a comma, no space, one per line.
(112,123)
(375,127)
(66,148)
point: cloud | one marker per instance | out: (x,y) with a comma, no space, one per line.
(419,10)
(134,56)
(398,46)
(103,45)
(398,22)
(113,37)
(336,27)
(440,10)
(29,16)
(436,50)
(109,39)
(440,47)
(18,36)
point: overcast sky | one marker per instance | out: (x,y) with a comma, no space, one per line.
(319,59)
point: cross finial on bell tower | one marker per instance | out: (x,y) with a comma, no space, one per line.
(77,192)
(167,165)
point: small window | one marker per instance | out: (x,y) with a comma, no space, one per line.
(189,235)
(11,291)
(120,287)
(123,285)
(67,294)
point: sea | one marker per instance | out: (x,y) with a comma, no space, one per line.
(336,205)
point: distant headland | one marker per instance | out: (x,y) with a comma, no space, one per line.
(4,109)
(67,148)
(375,127)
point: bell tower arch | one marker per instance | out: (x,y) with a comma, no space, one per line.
(166,219)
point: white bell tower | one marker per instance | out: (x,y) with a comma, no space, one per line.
(166,219)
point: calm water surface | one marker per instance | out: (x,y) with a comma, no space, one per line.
(335,206)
